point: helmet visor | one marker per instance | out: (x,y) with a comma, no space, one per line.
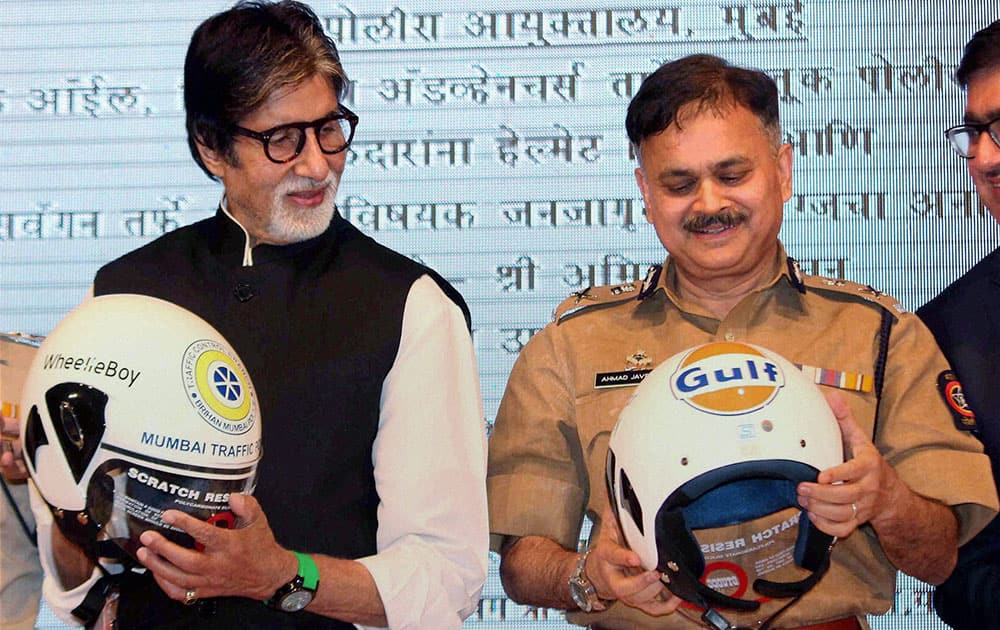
(128,498)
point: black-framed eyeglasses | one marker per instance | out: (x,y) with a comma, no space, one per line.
(285,142)
(963,138)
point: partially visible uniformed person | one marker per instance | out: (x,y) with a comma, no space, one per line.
(714,176)
(964,319)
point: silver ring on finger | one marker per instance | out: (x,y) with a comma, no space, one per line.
(190,597)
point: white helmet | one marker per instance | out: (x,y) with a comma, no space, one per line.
(136,406)
(717,435)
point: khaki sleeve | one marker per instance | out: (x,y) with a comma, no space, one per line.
(536,476)
(917,434)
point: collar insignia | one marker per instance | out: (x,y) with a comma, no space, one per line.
(649,284)
(796,274)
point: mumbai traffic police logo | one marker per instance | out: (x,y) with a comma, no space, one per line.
(218,387)
(726,379)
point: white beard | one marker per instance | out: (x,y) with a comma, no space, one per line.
(292,225)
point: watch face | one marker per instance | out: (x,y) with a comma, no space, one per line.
(580,595)
(296,600)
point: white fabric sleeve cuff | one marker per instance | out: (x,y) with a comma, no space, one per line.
(430,469)
(61,602)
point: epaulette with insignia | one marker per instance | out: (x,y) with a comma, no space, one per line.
(599,297)
(861,291)
(593,297)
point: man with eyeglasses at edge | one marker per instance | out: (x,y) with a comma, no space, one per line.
(714,175)
(362,361)
(965,320)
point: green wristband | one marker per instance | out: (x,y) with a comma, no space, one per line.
(308,570)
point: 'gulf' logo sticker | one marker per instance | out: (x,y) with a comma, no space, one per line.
(727,379)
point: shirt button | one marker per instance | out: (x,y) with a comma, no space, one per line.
(730,336)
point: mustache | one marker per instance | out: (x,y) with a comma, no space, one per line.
(728,217)
(306,183)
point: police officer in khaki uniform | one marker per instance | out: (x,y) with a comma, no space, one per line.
(714,176)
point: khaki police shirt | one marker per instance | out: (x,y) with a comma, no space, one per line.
(548,447)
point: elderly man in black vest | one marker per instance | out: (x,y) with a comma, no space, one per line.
(362,361)
(965,320)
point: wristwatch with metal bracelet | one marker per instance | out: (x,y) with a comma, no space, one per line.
(582,589)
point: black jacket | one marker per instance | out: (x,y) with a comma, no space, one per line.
(318,326)
(965,320)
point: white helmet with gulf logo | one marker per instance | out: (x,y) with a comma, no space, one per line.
(717,435)
(135,406)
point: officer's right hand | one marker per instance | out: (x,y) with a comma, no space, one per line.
(11,460)
(617,573)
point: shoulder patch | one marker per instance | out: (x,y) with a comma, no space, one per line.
(593,297)
(954,397)
(861,291)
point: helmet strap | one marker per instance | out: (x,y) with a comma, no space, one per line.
(92,605)
(717,621)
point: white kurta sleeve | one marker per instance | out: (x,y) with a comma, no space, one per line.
(60,602)
(430,470)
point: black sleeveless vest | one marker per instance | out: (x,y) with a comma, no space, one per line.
(317,325)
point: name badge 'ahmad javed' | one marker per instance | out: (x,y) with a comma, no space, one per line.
(637,366)
(625,378)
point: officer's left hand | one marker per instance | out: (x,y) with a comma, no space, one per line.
(848,495)
(617,573)
(243,562)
